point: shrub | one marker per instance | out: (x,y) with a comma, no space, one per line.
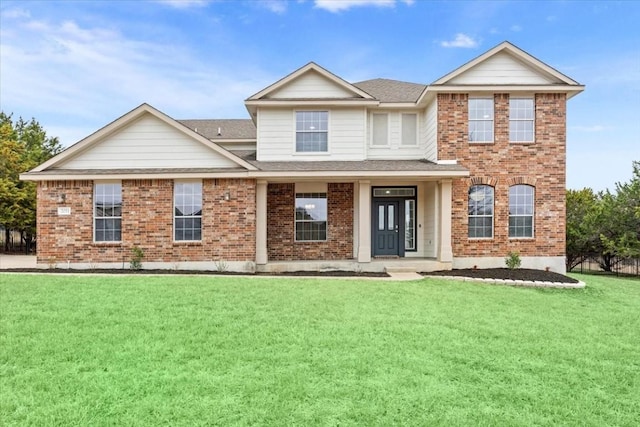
(513,260)
(136,258)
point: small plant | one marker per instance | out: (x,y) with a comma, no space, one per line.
(513,260)
(221,266)
(93,265)
(136,258)
(175,266)
(52,263)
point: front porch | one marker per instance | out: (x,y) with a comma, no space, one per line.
(368,225)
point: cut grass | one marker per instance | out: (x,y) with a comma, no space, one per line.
(135,350)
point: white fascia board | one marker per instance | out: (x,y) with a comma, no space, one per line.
(569,90)
(270,176)
(357,174)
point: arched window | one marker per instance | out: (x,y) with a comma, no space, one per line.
(521,210)
(480,211)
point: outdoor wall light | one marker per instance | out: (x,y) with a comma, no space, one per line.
(227,195)
(62,197)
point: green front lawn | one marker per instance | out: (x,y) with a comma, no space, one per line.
(134,350)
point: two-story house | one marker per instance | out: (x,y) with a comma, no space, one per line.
(326,174)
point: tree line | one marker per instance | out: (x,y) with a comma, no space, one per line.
(604,226)
(23,146)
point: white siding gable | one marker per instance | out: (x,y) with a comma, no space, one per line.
(502,68)
(277,133)
(311,85)
(144,144)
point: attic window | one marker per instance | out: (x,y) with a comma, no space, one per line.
(312,131)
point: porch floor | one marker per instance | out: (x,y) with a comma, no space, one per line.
(377,265)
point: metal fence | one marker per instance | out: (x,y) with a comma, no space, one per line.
(14,243)
(627,267)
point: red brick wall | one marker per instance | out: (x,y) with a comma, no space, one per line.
(281,244)
(228,227)
(542,164)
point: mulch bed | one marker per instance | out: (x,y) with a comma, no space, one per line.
(196,272)
(526,274)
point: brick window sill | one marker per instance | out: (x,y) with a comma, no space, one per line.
(189,243)
(103,244)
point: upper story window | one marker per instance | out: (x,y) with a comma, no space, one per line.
(521,119)
(187,217)
(521,211)
(380,129)
(481,211)
(312,131)
(480,120)
(409,129)
(107,212)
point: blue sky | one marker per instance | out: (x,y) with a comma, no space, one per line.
(76,66)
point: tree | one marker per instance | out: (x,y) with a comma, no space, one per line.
(23,145)
(620,234)
(581,235)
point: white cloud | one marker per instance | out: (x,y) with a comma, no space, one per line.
(461,40)
(16,13)
(340,5)
(184,4)
(81,77)
(275,6)
(516,28)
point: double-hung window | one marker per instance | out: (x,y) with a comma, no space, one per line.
(409,129)
(311,217)
(187,219)
(521,120)
(312,131)
(521,211)
(107,212)
(480,120)
(380,129)
(481,211)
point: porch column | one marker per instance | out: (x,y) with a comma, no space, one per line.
(445,252)
(261,222)
(364,221)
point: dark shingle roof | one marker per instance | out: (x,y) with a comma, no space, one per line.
(229,128)
(387,90)
(345,166)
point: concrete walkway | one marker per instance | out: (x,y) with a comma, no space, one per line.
(17,261)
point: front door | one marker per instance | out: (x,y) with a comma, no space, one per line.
(386,228)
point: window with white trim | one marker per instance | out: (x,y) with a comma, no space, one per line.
(187,212)
(409,129)
(480,119)
(311,217)
(380,129)
(521,211)
(107,212)
(521,120)
(312,131)
(481,199)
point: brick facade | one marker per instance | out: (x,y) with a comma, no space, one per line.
(501,164)
(228,226)
(281,244)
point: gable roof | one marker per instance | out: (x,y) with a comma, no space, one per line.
(310,67)
(386,90)
(124,121)
(516,52)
